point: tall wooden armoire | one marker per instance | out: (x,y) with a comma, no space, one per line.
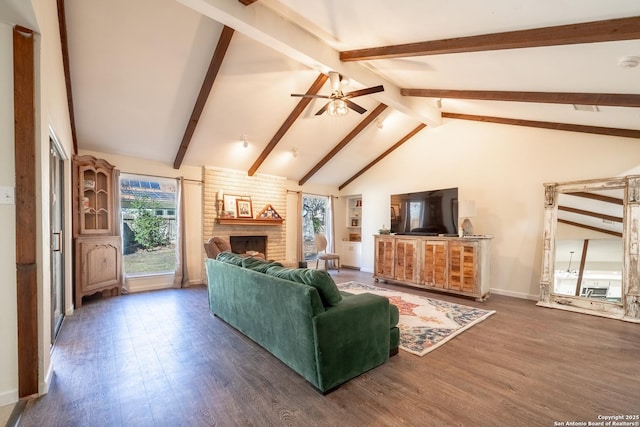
(97,242)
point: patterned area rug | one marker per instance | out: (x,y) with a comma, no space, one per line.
(425,323)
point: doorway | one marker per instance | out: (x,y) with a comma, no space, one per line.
(316,219)
(56,219)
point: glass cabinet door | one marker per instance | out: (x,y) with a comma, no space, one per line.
(95,200)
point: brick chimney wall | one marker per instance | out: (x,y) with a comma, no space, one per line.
(263,190)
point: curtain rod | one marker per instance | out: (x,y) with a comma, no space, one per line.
(161,176)
(312,194)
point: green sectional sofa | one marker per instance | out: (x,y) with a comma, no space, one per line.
(301,317)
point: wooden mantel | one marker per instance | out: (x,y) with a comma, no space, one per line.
(249,221)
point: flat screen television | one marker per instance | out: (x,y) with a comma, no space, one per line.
(427,213)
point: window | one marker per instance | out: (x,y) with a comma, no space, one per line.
(149,229)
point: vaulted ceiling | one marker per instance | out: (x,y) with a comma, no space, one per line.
(185,81)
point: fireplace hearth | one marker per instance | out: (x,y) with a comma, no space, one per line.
(244,244)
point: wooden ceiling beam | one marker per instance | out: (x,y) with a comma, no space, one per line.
(592,214)
(625,133)
(205,90)
(602,99)
(589,227)
(587,32)
(596,196)
(64,44)
(297,111)
(359,128)
(383,155)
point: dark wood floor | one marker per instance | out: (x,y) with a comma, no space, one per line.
(160,359)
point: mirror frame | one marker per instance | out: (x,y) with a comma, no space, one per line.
(629,308)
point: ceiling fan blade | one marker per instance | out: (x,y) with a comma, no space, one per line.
(323,109)
(361,92)
(354,106)
(305,95)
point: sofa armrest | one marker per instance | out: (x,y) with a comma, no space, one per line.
(351,338)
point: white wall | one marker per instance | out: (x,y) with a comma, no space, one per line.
(503,169)
(51,114)
(8,295)
(192,195)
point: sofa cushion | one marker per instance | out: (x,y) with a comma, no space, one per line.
(258,264)
(394,315)
(319,279)
(230,258)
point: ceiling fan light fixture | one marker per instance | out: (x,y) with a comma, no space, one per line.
(629,62)
(337,107)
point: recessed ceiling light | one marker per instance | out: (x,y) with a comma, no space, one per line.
(629,62)
(592,108)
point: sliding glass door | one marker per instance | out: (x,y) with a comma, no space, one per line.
(316,219)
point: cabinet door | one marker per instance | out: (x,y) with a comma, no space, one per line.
(406,267)
(462,266)
(350,254)
(384,259)
(96,203)
(93,195)
(434,266)
(98,265)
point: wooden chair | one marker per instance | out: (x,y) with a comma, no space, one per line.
(328,258)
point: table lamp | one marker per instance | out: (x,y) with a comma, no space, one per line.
(466,209)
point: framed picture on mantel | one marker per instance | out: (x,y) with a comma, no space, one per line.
(244,208)
(230,206)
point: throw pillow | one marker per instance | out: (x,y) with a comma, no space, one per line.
(319,279)
(257,264)
(230,258)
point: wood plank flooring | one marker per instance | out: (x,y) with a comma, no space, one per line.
(160,359)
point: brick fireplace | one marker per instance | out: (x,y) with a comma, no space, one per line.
(263,190)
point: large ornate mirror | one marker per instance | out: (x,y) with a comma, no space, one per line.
(590,260)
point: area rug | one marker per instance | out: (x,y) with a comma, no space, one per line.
(425,323)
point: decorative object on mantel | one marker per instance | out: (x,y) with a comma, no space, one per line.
(425,323)
(269,212)
(244,209)
(249,221)
(229,205)
(220,202)
(384,230)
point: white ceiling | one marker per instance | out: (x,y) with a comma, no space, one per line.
(137,67)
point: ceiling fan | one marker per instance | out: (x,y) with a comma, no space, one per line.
(339,103)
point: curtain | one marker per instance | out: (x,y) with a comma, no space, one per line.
(181,277)
(299,244)
(117,212)
(331,229)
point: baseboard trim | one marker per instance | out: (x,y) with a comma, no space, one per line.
(513,294)
(148,283)
(9,397)
(44,385)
